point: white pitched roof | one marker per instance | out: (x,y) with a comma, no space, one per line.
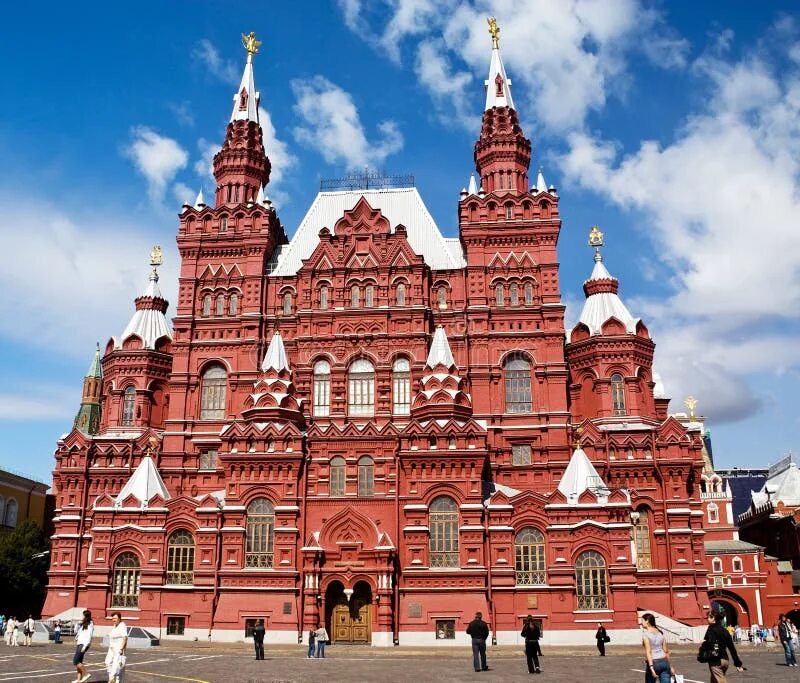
(276,355)
(601,306)
(148,324)
(783,486)
(144,484)
(496,68)
(399,205)
(440,353)
(579,476)
(250,110)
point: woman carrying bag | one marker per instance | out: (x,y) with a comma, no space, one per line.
(716,643)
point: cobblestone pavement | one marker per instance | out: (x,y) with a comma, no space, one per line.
(235,663)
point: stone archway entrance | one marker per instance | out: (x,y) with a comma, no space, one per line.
(349,613)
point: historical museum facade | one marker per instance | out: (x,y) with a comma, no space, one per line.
(377,427)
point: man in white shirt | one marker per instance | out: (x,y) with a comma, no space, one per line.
(117,646)
(27,630)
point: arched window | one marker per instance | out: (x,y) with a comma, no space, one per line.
(529,557)
(212,393)
(641,539)
(518,384)
(128,406)
(509,208)
(323,297)
(125,584)
(528,294)
(233,304)
(220,310)
(369,295)
(206,305)
(400,294)
(443,522)
(260,534)
(366,476)
(716,565)
(500,295)
(713,513)
(10,516)
(322,388)
(513,294)
(223,222)
(737,564)
(618,394)
(338,476)
(355,296)
(361,389)
(287,303)
(180,559)
(401,387)
(591,584)
(441,296)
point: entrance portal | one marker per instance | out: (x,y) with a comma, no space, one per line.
(350,620)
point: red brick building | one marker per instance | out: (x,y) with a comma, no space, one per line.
(378,427)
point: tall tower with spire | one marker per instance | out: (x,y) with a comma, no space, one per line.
(88,417)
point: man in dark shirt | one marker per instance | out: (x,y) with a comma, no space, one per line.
(478,630)
(258,638)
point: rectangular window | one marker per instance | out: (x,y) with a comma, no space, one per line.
(402,393)
(521,454)
(176,626)
(322,395)
(323,297)
(208,460)
(362,394)
(369,294)
(445,629)
(338,474)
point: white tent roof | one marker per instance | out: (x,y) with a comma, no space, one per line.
(145,483)
(250,110)
(579,476)
(147,323)
(601,306)
(440,353)
(276,355)
(493,99)
(399,205)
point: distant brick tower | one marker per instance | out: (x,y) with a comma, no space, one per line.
(88,418)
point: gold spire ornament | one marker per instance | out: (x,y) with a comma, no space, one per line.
(691,404)
(251,43)
(156,256)
(494,31)
(596,241)
(578,437)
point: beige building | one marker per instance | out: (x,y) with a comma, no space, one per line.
(22,498)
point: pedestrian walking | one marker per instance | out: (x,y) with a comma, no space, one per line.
(602,638)
(57,633)
(258,638)
(311,643)
(532,633)
(714,648)
(83,641)
(117,647)
(27,630)
(9,629)
(785,637)
(15,633)
(321,638)
(478,630)
(2,625)
(658,668)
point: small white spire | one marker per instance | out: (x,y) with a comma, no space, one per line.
(541,186)
(472,188)
(246,98)
(145,483)
(440,353)
(199,202)
(260,195)
(579,476)
(276,358)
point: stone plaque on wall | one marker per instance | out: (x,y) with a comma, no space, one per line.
(533,602)
(414,609)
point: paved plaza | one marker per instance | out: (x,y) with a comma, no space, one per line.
(217,663)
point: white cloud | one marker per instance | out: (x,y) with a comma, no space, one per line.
(280,157)
(450,89)
(204,166)
(332,126)
(183,113)
(157,158)
(76,275)
(720,204)
(222,69)
(183,194)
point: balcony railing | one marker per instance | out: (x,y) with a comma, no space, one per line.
(180,578)
(444,559)
(258,560)
(531,577)
(592,602)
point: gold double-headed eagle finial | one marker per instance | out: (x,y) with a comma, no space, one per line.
(494,31)
(156,256)
(691,404)
(251,43)
(596,241)
(578,437)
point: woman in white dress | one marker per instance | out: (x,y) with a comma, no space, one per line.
(83,640)
(117,646)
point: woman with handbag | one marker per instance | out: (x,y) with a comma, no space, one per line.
(656,652)
(602,638)
(714,648)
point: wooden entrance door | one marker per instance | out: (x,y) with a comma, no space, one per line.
(351,622)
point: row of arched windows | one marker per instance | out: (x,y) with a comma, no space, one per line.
(220,305)
(518,294)
(363,295)
(338,476)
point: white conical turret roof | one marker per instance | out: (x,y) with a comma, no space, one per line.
(246,98)
(440,353)
(579,476)
(472,188)
(199,202)
(541,185)
(276,358)
(145,483)
(602,305)
(498,90)
(148,323)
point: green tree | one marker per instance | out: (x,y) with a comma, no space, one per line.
(23,576)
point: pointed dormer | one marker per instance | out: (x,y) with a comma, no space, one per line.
(581,476)
(273,396)
(442,395)
(144,485)
(502,153)
(88,417)
(241,167)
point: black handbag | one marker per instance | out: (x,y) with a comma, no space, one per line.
(709,651)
